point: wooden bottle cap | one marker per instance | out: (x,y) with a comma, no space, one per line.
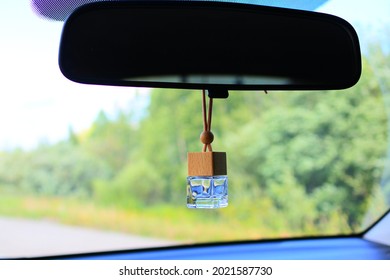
(207,164)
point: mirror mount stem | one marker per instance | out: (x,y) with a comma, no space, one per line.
(218,93)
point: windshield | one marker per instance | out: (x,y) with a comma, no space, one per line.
(90,168)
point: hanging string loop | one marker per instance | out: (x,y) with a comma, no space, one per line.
(207,137)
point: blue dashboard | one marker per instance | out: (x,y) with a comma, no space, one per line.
(331,248)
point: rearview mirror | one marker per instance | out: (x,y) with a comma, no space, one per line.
(194,44)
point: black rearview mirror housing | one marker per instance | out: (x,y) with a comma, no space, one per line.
(212,45)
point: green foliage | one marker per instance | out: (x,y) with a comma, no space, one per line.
(339,141)
(58,170)
(111,140)
(134,186)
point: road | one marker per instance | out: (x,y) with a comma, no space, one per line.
(29,238)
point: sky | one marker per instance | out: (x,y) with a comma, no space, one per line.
(38,104)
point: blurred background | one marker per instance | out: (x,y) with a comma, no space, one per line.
(115,159)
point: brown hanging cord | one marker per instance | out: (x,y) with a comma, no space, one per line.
(207,136)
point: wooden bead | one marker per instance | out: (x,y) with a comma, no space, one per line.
(206,137)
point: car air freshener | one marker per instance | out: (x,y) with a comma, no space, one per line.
(207,181)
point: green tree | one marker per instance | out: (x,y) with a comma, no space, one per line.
(60,170)
(335,140)
(111,140)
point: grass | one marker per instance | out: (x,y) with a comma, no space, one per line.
(163,221)
(239,221)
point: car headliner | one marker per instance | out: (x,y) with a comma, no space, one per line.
(60,9)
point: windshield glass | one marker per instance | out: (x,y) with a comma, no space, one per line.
(89,168)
